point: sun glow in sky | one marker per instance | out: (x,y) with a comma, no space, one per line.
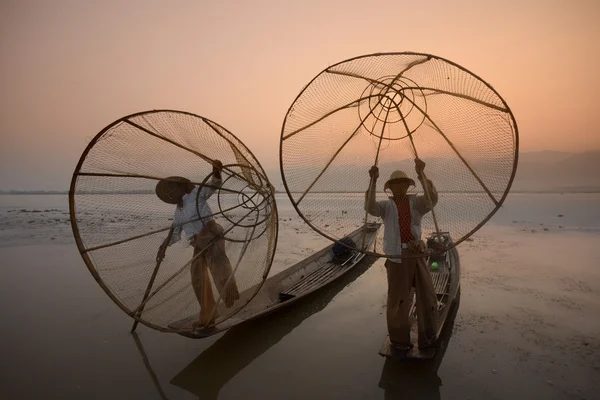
(69,68)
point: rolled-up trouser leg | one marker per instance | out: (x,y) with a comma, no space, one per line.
(427,309)
(220,266)
(203,288)
(400,277)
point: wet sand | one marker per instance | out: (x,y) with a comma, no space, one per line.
(527,327)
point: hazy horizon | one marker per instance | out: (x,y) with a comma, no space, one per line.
(69,68)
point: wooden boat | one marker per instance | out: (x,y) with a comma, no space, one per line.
(445,273)
(290,285)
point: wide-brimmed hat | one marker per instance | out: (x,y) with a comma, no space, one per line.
(398,176)
(165,188)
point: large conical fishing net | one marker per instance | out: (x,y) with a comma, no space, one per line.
(387,110)
(119,222)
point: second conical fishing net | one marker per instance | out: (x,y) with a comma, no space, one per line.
(387,110)
(122,212)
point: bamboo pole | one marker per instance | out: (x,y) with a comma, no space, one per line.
(166,282)
(150,283)
(340,149)
(174,143)
(354,103)
(483,185)
(152,178)
(462,96)
(453,94)
(129,239)
(425,180)
(372,180)
(153,376)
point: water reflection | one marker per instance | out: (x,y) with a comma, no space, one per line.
(148,366)
(418,379)
(239,346)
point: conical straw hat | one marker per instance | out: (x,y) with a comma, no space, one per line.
(165,188)
(398,175)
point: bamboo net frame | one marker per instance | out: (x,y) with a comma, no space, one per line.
(119,223)
(386,110)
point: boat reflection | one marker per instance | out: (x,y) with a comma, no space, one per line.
(418,379)
(240,345)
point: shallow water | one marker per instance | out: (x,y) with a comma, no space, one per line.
(35,219)
(526,327)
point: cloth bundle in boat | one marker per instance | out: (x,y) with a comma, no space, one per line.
(343,247)
(119,222)
(387,110)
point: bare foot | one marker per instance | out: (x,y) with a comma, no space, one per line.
(202,325)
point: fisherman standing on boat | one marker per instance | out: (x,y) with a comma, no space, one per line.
(402,216)
(205,235)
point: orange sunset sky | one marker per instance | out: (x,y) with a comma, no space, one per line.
(69,68)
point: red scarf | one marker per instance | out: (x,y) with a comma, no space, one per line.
(404,219)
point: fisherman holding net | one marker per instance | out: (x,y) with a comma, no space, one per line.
(402,215)
(205,235)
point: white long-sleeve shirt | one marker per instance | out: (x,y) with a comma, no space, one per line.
(388,211)
(186,217)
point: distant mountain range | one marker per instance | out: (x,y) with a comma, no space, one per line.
(34,192)
(538,171)
(558,172)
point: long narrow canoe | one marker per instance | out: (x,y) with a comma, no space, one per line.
(290,285)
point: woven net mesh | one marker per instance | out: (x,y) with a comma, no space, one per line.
(386,110)
(119,221)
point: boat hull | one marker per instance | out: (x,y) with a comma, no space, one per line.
(290,285)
